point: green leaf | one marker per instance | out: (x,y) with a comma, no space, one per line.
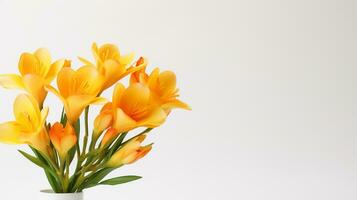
(55,185)
(33,159)
(116,145)
(63,117)
(120,180)
(72,152)
(77,127)
(95,178)
(44,158)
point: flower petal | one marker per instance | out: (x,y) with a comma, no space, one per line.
(88,81)
(167,83)
(122,122)
(126,59)
(34,84)
(65,81)
(11,81)
(77,103)
(113,71)
(55,92)
(28,64)
(44,57)
(117,94)
(154,119)
(27,112)
(54,69)
(135,99)
(175,104)
(85,61)
(10,133)
(108,51)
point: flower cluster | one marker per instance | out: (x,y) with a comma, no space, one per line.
(145,102)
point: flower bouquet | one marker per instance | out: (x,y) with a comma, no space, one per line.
(72,156)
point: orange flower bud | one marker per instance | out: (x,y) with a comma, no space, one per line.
(62,138)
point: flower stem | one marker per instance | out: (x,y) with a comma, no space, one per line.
(85,140)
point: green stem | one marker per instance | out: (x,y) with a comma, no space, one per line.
(86,130)
(66,176)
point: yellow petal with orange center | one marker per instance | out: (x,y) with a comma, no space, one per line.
(88,81)
(65,81)
(62,138)
(27,112)
(135,99)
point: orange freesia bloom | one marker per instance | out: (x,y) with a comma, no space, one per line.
(111,64)
(63,138)
(28,127)
(130,152)
(36,70)
(162,86)
(132,107)
(78,89)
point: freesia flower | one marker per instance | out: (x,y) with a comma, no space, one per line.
(132,107)
(78,89)
(103,120)
(28,127)
(36,71)
(163,88)
(111,64)
(62,138)
(130,152)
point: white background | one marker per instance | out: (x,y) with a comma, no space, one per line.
(272,85)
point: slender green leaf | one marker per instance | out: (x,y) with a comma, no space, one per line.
(33,159)
(95,178)
(72,152)
(38,155)
(116,145)
(72,182)
(55,185)
(120,180)
(63,117)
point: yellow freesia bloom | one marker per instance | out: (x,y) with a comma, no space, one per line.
(62,138)
(130,152)
(78,89)
(28,127)
(163,88)
(132,107)
(36,71)
(111,64)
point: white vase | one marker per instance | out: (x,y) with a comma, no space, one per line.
(50,195)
